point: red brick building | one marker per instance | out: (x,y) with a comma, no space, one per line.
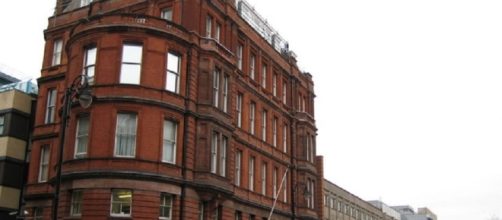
(198,114)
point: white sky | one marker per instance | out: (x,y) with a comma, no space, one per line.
(409,95)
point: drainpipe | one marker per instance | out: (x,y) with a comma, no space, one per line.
(185,134)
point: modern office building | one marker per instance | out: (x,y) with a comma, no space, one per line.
(16,102)
(386,209)
(339,204)
(199,112)
(408,213)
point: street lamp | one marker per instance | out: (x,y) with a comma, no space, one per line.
(306,193)
(78,90)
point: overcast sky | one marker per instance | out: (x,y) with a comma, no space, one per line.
(409,93)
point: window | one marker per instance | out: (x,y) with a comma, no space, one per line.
(264,126)
(216,88)
(82,137)
(89,64)
(238,215)
(214,152)
(264,179)
(209,24)
(169,142)
(252,108)
(238,167)
(307,144)
(44,164)
(264,76)
(131,64)
(51,106)
(219,154)
(332,204)
(223,156)
(218,32)
(274,131)
(2,123)
(274,182)
(285,187)
(121,202)
(312,148)
(325,200)
(284,92)
(38,213)
(251,173)
(239,56)
(252,63)
(166,205)
(274,85)
(167,14)
(285,138)
(310,197)
(239,110)
(173,72)
(57,51)
(125,135)
(225,93)
(85,2)
(201,210)
(76,203)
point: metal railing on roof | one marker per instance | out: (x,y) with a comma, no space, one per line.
(258,23)
(25,86)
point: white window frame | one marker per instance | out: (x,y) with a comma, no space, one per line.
(238,167)
(252,118)
(80,136)
(239,56)
(167,14)
(238,108)
(76,203)
(264,178)
(117,135)
(251,173)
(169,144)
(216,87)
(45,156)
(112,202)
(252,67)
(274,85)
(223,156)
(285,138)
(264,125)
(89,64)
(173,72)
(57,52)
(225,93)
(274,132)
(136,78)
(166,201)
(214,152)
(217,32)
(209,26)
(264,76)
(284,92)
(50,110)
(274,181)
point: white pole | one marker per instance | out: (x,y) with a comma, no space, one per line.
(277,194)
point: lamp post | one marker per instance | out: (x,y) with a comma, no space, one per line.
(78,90)
(306,193)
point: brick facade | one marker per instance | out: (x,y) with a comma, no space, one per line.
(211,108)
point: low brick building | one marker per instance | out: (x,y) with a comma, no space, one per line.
(200,112)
